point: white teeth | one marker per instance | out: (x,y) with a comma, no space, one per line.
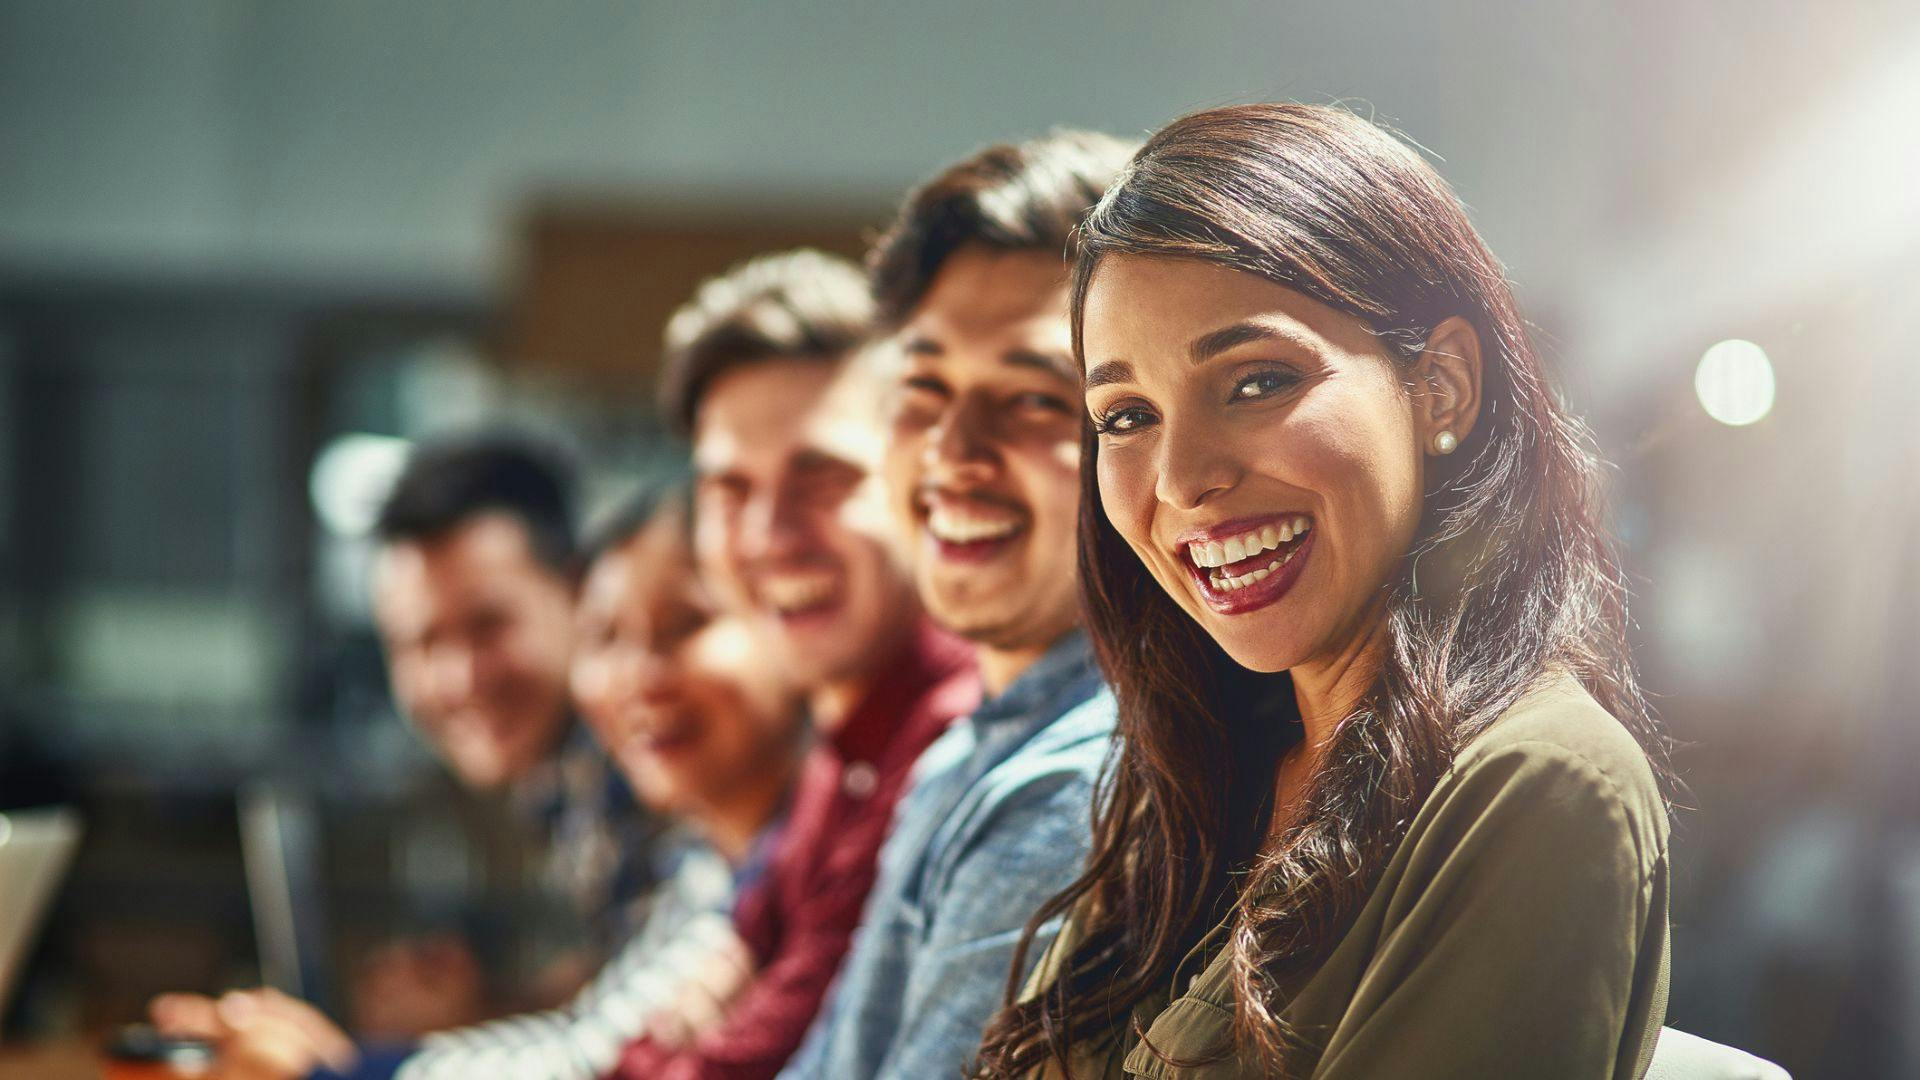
(797,593)
(1227,583)
(1218,553)
(959,526)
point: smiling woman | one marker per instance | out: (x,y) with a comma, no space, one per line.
(1388,799)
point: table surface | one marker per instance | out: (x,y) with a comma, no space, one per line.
(75,1059)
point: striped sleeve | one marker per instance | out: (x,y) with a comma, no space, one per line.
(583,1039)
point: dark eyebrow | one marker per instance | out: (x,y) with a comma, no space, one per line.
(1214,342)
(815,458)
(1051,363)
(1112,371)
(922,346)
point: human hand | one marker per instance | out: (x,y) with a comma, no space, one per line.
(187,1016)
(260,1034)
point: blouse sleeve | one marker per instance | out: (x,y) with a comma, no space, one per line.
(1526,934)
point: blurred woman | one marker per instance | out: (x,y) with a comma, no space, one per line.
(1388,802)
(685,701)
(705,729)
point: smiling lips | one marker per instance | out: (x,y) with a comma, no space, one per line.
(795,593)
(1249,564)
(971,531)
(668,735)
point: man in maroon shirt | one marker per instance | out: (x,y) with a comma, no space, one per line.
(792,533)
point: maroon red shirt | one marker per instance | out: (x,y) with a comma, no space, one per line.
(799,918)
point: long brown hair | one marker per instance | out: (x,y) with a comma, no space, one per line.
(1511,573)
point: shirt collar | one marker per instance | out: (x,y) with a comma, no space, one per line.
(1063,677)
(929,657)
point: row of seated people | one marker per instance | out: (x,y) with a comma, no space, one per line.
(991,748)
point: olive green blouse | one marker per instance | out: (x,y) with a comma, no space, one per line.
(1520,929)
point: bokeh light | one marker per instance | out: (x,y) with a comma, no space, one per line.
(1735,382)
(351,478)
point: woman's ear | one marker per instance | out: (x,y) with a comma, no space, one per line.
(1446,385)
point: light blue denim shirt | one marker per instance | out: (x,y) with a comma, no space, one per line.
(997,821)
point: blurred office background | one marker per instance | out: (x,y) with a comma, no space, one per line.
(247,247)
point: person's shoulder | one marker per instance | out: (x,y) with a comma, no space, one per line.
(1558,739)
(1085,728)
(939,769)
(1558,720)
(946,753)
(1033,805)
(1070,749)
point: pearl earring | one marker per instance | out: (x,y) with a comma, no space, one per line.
(1445,442)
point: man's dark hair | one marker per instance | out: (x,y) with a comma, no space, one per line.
(803,305)
(1009,197)
(447,484)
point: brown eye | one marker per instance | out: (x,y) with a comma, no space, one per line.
(823,477)
(1122,421)
(727,488)
(1043,403)
(924,384)
(1261,385)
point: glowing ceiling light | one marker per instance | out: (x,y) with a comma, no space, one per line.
(1735,382)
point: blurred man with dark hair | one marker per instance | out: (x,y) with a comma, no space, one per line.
(708,733)
(1009,198)
(474,590)
(473,595)
(982,468)
(792,533)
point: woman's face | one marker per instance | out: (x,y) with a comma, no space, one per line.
(1257,450)
(686,702)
